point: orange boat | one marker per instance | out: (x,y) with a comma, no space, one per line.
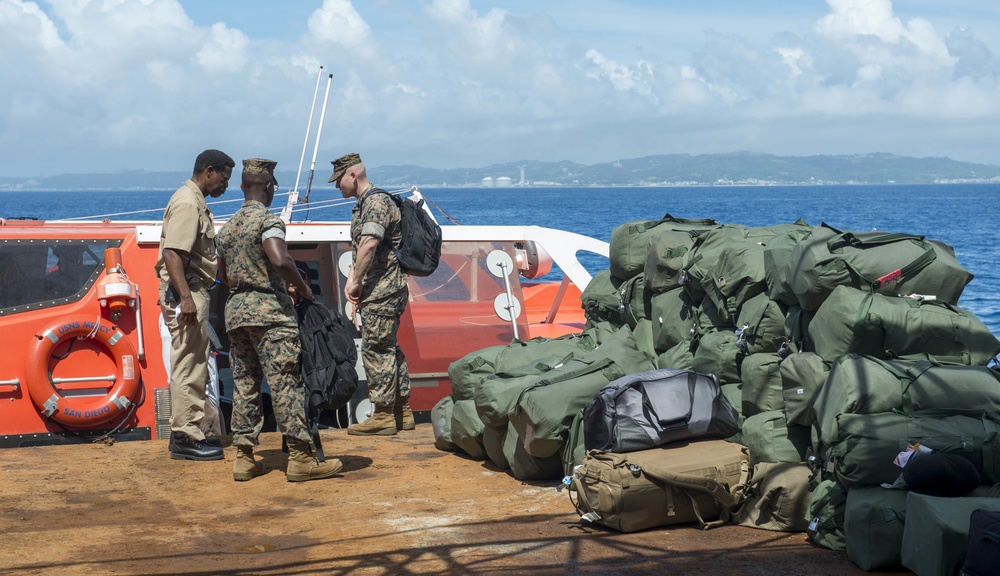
(79,317)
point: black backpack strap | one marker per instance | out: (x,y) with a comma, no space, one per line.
(394,197)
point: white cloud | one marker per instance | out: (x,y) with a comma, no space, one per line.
(113,84)
(339,23)
(225,51)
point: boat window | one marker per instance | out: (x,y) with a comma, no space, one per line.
(42,273)
(451,312)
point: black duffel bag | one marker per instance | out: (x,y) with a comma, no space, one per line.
(651,408)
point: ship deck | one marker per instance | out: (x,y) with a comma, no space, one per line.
(399,507)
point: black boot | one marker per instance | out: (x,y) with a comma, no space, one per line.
(211,441)
(183,447)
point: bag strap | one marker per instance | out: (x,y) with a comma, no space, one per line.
(686,483)
(907,376)
(696,221)
(918,264)
(596,366)
(394,197)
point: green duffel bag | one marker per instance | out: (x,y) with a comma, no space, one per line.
(769,438)
(736,277)
(887,263)
(601,300)
(873,524)
(797,323)
(675,319)
(760,326)
(630,241)
(875,521)
(671,484)
(827,504)
(497,395)
(524,466)
(936,534)
(696,271)
(469,371)
(865,445)
(493,440)
(519,353)
(864,385)
(441,424)
(776,497)
(467,429)
(802,376)
(545,409)
(761,384)
(777,252)
(665,257)
(574,450)
(718,353)
(680,357)
(892,327)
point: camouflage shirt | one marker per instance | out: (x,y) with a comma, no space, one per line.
(257,294)
(383,289)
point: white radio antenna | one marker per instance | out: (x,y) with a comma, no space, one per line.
(293,196)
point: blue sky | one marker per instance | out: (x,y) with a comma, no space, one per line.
(109,85)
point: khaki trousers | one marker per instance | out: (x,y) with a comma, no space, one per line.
(189,345)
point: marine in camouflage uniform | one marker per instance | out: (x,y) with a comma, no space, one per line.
(263,329)
(378,287)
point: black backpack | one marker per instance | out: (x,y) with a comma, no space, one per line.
(419,248)
(328,362)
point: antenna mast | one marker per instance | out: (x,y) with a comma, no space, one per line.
(293,196)
(319,133)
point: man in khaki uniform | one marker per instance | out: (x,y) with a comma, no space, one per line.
(263,329)
(186,267)
(376,286)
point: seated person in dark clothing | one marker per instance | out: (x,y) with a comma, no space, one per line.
(69,274)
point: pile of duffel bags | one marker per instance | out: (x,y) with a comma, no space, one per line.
(818,355)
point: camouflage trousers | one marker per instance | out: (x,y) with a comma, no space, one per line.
(383,359)
(268,353)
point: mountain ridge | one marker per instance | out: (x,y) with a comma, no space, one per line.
(733,168)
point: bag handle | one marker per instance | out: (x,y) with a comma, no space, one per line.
(661,408)
(918,264)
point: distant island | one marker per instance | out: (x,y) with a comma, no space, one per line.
(731,169)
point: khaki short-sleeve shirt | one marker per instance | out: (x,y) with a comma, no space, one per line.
(188,229)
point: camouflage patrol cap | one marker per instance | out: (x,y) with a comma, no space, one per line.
(259,166)
(340,165)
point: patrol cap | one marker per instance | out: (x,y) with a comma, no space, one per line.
(340,165)
(260,166)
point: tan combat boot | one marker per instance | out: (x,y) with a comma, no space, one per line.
(381,423)
(302,465)
(403,415)
(245,467)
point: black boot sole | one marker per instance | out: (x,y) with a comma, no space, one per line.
(181,456)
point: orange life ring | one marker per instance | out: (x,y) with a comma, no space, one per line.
(81,411)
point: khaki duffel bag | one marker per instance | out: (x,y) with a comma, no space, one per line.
(776,497)
(670,484)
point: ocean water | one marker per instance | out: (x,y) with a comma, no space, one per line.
(963,216)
